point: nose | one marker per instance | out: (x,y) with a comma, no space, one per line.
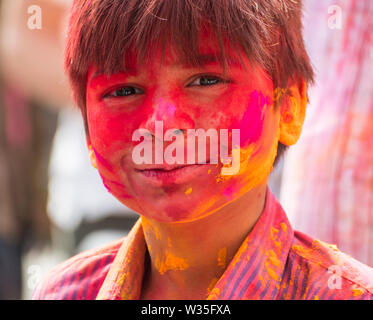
(171,115)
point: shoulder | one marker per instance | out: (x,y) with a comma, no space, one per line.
(328,273)
(80,277)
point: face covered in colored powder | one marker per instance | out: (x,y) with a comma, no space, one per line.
(181,96)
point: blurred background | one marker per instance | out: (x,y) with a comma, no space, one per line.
(53,204)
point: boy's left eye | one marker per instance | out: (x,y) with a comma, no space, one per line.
(123,92)
(206,81)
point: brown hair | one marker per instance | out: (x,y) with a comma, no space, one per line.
(101,32)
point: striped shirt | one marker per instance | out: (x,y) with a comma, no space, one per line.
(274,262)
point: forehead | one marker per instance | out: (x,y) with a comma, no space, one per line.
(208,52)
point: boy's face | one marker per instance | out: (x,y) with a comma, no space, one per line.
(181,97)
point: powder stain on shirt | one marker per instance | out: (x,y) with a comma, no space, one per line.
(271,273)
(274,237)
(284,227)
(274,233)
(273,258)
(122,278)
(239,253)
(304,252)
(214,294)
(274,261)
(357,291)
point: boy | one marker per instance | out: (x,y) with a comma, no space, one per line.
(207,229)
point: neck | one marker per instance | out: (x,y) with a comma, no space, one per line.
(187,259)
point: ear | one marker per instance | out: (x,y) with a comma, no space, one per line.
(91,153)
(293,111)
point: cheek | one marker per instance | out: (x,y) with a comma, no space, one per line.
(258,140)
(110,129)
(107,129)
(252,121)
(110,133)
(245,111)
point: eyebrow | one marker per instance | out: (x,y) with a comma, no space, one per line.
(100,73)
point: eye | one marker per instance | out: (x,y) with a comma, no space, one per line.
(123,92)
(206,81)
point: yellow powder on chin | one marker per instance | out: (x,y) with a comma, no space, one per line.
(170,262)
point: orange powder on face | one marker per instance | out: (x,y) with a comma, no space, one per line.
(256,164)
(170,262)
(245,154)
(254,172)
(188,191)
(250,175)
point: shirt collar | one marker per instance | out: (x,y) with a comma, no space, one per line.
(255,271)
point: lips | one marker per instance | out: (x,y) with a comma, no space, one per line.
(162,167)
(168,167)
(161,175)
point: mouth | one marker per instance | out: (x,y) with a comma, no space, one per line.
(172,174)
(162,167)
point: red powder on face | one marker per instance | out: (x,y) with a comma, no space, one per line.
(229,191)
(239,101)
(252,120)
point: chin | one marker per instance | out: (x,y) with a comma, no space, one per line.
(171,213)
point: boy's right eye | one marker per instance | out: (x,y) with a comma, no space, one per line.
(123,92)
